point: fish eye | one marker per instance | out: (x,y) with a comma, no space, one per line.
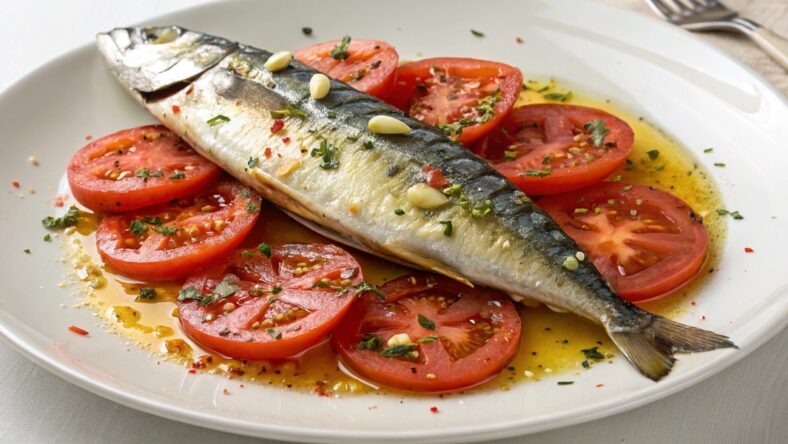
(161,35)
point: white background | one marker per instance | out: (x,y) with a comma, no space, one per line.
(746,403)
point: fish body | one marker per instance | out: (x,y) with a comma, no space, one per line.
(326,168)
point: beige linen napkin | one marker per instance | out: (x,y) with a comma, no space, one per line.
(772,14)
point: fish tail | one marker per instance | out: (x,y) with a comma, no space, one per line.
(650,347)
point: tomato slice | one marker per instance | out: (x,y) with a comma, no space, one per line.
(460,336)
(369,66)
(136,168)
(170,241)
(550,148)
(269,308)
(646,242)
(465,98)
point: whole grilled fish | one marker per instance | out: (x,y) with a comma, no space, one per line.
(335,175)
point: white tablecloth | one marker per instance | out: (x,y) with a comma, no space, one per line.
(746,403)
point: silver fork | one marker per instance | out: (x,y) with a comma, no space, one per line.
(711,15)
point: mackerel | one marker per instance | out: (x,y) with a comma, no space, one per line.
(328,170)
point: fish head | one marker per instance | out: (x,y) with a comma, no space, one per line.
(151,59)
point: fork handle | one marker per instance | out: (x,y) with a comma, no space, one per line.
(775,45)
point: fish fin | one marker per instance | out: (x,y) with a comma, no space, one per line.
(651,348)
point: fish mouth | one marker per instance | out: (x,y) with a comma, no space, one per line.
(155,58)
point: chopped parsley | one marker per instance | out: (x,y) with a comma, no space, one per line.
(138,227)
(26,250)
(146,173)
(425,322)
(559,97)
(215,120)
(653,154)
(510,155)
(47,237)
(253,161)
(398,350)
(274,333)
(539,173)
(734,214)
(477,33)
(429,338)
(339,52)
(485,110)
(306,30)
(288,111)
(708,150)
(447,227)
(191,293)
(369,343)
(251,207)
(598,131)
(719,164)
(566,382)
(70,219)
(264,249)
(368,145)
(165,230)
(178,175)
(146,294)
(399,211)
(482,210)
(327,153)
(592,353)
(277,289)
(225,288)
(364,287)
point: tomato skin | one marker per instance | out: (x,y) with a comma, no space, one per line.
(153,147)
(641,261)
(441,102)
(532,132)
(458,358)
(155,259)
(234,334)
(374,59)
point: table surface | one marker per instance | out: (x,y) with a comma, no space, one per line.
(745,403)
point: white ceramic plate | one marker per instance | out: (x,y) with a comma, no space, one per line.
(695,92)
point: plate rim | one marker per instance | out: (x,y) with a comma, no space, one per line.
(778,321)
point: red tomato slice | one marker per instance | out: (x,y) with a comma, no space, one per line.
(136,168)
(548,148)
(646,242)
(466,98)
(369,66)
(170,241)
(270,308)
(461,336)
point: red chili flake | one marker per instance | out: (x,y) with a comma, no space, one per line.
(267,152)
(286,140)
(434,409)
(277,126)
(703,317)
(176,109)
(242,386)
(600,385)
(77,330)
(60,200)
(88,137)
(226,392)
(192,371)
(518,39)
(434,176)
(693,302)
(748,250)
(15,184)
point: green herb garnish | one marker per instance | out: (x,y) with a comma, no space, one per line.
(558,97)
(146,294)
(425,322)
(215,120)
(69,219)
(47,237)
(369,343)
(364,287)
(399,211)
(447,227)
(398,350)
(264,249)
(428,339)
(653,154)
(592,353)
(339,52)
(274,333)
(477,33)
(252,208)
(598,131)
(327,153)
(566,382)
(138,227)
(539,173)
(482,210)
(306,30)
(146,173)
(177,175)
(368,145)
(253,161)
